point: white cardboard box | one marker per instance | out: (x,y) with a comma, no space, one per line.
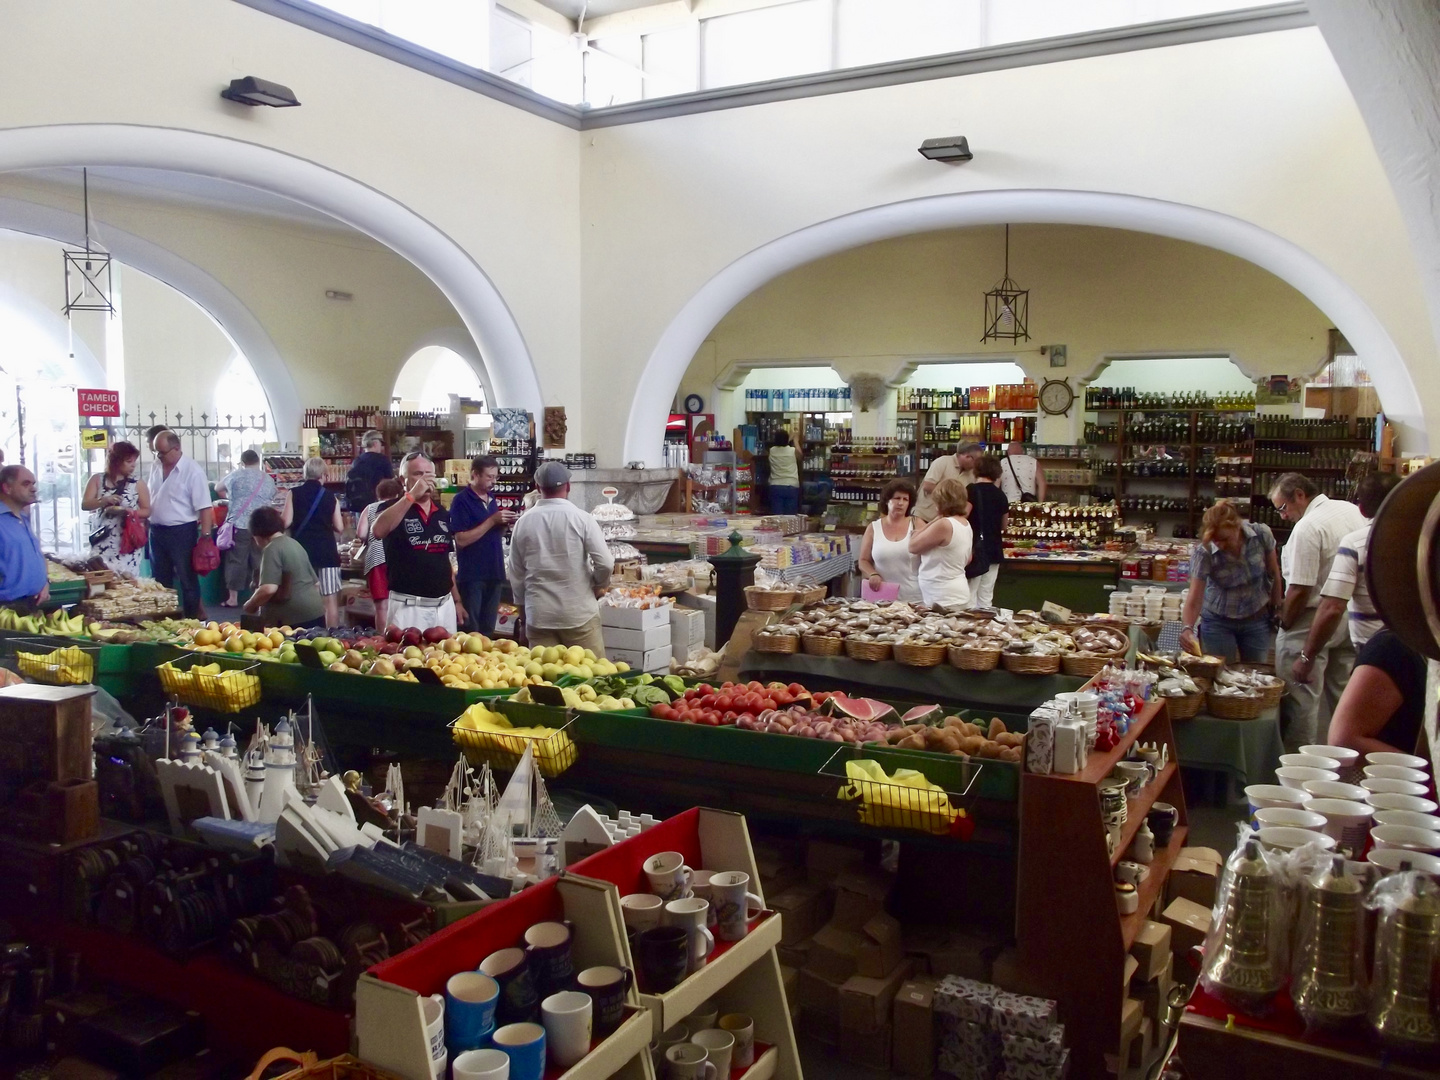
(687,630)
(650,660)
(706,606)
(634,618)
(618,637)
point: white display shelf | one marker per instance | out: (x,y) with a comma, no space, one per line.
(671,1007)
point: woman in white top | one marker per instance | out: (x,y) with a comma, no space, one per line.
(885,557)
(944,547)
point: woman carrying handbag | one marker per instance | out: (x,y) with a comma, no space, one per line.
(319,524)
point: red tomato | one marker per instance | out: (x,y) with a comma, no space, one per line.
(724,701)
(796,689)
(710,719)
(691,694)
(658,711)
(757,686)
(707,701)
(705,688)
(729,717)
(782,699)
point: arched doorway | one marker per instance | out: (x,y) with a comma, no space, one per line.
(687,330)
(429,378)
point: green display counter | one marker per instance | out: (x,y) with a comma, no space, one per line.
(1076,584)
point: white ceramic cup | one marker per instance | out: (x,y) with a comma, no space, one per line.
(642,910)
(1127,899)
(433,1010)
(1389,860)
(1292,777)
(679,1033)
(1347,821)
(719,1046)
(687,1061)
(1333,789)
(668,875)
(1284,838)
(1407,817)
(1309,761)
(743,1028)
(1382,786)
(690,915)
(488,1064)
(1384,800)
(1286,817)
(568,1025)
(732,904)
(1406,837)
(704,1016)
(1389,757)
(1395,772)
(700,888)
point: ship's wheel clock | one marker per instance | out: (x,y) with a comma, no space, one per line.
(1056,397)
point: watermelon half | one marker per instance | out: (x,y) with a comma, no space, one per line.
(929,715)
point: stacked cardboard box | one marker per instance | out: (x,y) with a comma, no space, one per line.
(984,1031)
(1149,978)
(687,632)
(638,636)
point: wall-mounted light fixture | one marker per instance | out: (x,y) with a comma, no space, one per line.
(336,294)
(253,91)
(952,150)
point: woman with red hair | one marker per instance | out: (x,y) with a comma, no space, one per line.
(112,495)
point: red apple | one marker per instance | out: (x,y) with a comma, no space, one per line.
(394,633)
(434,634)
(411,636)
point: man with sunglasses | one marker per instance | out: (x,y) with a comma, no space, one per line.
(181,519)
(415,530)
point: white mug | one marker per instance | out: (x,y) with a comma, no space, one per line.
(487,1064)
(704,1016)
(642,910)
(743,1028)
(690,914)
(700,887)
(679,1033)
(719,1047)
(668,875)
(686,1061)
(568,1018)
(433,1011)
(733,906)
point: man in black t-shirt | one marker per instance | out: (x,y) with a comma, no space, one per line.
(372,466)
(415,530)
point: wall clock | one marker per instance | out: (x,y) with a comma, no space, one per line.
(694,403)
(1056,397)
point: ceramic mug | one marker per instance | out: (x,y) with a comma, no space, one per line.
(719,1047)
(1136,774)
(686,1061)
(1131,872)
(704,1016)
(524,1045)
(691,914)
(743,1028)
(663,955)
(547,946)
(1162,819)
(607,987)
(487,1064)
(668,875)
(734,907)
(700,887)
(470,1000)
(518,1000)
(679,1033)
(432,1010)
(569,1022)
(641,910)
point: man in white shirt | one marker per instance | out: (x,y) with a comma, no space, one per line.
(957,466)
(558,559)
(1346,594)
(1021,475)
(1305,561)
(181,516)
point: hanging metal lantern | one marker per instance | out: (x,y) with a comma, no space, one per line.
(88,283)
(1007,307)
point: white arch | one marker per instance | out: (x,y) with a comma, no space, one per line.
(393,224)
(457,341)
(71,351)
(235,320)
(1305,273)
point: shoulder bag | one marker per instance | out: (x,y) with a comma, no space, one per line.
(225,535)
(1025,496)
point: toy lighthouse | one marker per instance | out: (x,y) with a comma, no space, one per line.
(279,772)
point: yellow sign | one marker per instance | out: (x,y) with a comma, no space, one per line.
(95,438)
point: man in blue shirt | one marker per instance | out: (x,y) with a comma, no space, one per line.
(22,564)
(477,522)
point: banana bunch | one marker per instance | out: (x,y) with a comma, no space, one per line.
(61,667)
(211,685)
(57,622)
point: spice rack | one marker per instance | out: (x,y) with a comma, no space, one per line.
(1071,937)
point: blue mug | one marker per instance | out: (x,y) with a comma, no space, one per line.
(524,1045)
(470,1000)
(547,948)
(518,1000)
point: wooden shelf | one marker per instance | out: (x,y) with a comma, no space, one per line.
(1151,887)
(1138,807)
(1102,764)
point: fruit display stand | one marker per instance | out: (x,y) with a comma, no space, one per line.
(389,1019)
(743,976)
(1071,936)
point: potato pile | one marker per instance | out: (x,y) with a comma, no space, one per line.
(961,738)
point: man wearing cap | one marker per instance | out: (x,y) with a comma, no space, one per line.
(558,561)
(415,530)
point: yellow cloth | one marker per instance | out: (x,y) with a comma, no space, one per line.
(905,800)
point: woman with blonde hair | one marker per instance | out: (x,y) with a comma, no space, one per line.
(1235,587)
(312,516)
(945,547)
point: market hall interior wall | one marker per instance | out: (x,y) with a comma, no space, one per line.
(1103,293)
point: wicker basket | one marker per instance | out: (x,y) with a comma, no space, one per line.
(1183,708)
(776,643)
(974,659)
(812,595)
(1030,663)
(1087,665)
(920,655)
(1234,706)
(1193,665)
(867,650)
(758,599)
(1271,694)
(822,644)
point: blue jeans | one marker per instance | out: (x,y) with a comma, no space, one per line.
(784,499)
(481,598)
(1253,637)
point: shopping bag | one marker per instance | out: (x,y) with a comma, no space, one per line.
(134,534)
(888,590)
(205,558)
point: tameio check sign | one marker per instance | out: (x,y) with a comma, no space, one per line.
(99,402)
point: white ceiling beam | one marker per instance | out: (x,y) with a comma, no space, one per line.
(538,13)
(667,15)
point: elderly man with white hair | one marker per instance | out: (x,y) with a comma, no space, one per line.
(415,530)
(559,560)
(182,521)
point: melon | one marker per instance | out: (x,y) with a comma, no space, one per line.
(924,714)
(866,709)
